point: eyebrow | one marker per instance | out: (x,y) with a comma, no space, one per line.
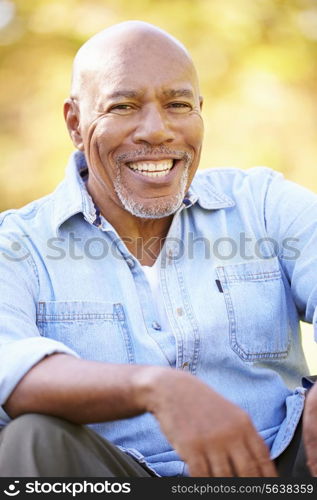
(178,93)
(170,93)
(124,93)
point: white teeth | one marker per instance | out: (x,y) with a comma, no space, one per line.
(152,169)
(153,174)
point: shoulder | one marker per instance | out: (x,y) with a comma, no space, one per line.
(234,183)
(231,176)
(27,216)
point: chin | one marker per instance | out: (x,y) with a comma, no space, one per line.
(152,210)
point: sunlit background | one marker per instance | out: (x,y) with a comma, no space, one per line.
(256,60)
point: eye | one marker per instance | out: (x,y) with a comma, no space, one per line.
(180,107)
(121,109)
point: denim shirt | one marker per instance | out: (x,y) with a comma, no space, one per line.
(237,272)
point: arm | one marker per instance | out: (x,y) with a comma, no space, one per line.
(310,429)
(213,436)
(77,390)
(292,218)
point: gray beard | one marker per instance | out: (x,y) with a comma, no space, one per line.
(160,207)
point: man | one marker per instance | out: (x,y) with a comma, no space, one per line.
(115,314)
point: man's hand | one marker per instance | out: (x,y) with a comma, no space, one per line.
(212,435)
(310,429)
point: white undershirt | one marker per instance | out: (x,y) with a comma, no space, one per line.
(152,274)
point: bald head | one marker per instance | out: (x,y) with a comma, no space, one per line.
(130,39)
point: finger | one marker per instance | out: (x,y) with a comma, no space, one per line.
(220,465)
(310,443)
(311,458)
(243,462)
(260,453)
(199,467)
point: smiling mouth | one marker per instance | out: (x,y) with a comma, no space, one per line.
(157,168)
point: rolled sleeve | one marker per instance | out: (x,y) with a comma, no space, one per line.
(17,358)
(21,345)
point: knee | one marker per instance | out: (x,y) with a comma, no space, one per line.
(38,445)
(33,427)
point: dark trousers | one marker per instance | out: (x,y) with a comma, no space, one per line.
(42,446)
(292,462)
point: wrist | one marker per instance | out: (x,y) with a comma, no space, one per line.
(147,384)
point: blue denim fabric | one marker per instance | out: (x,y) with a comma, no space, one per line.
(69,284)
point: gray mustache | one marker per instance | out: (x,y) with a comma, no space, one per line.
(141,153)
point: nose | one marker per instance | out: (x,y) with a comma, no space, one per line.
(154,128)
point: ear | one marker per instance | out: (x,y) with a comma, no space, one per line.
(72,119)
(201,100)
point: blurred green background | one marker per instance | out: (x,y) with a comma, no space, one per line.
(256,60)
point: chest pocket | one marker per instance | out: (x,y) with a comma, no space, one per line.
(95,330)
(256,304)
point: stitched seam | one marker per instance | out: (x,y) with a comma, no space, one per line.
(60,317)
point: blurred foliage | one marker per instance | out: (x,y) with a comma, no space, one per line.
(256,60)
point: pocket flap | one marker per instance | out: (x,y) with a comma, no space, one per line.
(77,310)
(258,270)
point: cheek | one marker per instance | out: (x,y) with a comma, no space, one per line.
(194,138)
(99,146)
(194,132)
(104,136)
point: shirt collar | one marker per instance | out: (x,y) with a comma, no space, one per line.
(204,193)
(71,196)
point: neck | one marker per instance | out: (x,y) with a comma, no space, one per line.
(143,237)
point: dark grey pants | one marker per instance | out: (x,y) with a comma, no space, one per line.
(41,446)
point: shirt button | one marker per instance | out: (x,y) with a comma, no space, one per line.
(185,366)
(180,311)
(156,325)
(130,263)
(170,255)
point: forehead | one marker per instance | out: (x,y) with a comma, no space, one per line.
(138,68)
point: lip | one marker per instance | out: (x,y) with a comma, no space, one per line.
(154,158)
(166,179)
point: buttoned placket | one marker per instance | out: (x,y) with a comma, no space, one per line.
(142,287)
(175,296)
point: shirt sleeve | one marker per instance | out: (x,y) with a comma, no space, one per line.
(291,218)
(21,345)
